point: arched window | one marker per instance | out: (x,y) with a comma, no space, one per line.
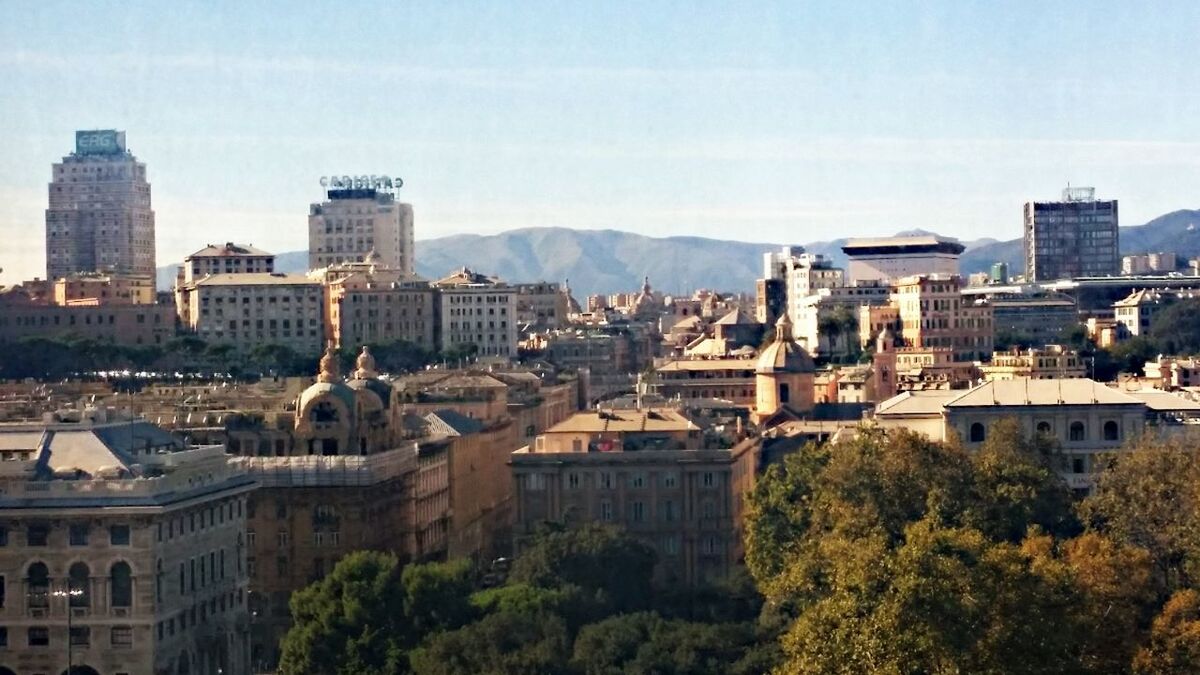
(37,585)
(1112,431)
(1078,432)
(323,412)
(978,432)
(1043,429)
(785,394)
(79,579)
(121,585)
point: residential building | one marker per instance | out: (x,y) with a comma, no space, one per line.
(1075,237)
(1149,263)
(96,289)
(826,323)
(1171,373)
(99,217)
(123,549)
(654,472)
(477,311)
(770,300)
(1136,311)
(889,259)
(902,368)
(352,222)
(1052,362)
(372,305)
(542,305)
(227,258)
(251,309)
(728,379)
(119,324)
(1084,419)
(1033,318)
(933,313)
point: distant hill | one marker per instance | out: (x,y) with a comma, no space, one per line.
(607,261)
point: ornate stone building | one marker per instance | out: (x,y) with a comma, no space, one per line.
(121,550)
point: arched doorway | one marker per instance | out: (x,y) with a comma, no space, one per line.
(81,670)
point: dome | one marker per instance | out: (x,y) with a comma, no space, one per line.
(364,366)
(335,389)
(784,355)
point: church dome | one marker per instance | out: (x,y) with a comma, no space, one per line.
(784,355)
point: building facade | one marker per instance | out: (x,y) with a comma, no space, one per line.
(477,311)
(227,258)
(122,546)
(104,289)
(377,305)
(1075,237)
(353,222)
(119,324)
(934,313)
(99,217)
(248,310)
(1052,362)
(542,305)
(888,259)
(652,472)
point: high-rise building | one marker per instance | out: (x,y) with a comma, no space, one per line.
(1076,237)
(356,220)
(99,217)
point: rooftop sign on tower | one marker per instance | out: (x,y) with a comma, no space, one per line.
(99,142)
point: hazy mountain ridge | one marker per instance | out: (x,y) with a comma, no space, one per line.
(608,261)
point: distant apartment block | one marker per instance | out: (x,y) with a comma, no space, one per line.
(370,304)
(934,313)
(353,222)
(252,309)
(478,310)
(227,258)
(99,217)
(1075,237)
(1149,263)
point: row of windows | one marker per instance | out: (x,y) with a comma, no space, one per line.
(206,517)
(120,637)
(39,588)
(1076,431)
(607,479)
(79,534)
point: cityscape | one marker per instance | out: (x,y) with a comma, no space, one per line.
(404,448)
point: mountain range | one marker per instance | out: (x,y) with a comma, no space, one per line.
(607,261)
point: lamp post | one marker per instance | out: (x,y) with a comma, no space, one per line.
(68,592)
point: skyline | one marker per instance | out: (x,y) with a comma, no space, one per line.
(771,123)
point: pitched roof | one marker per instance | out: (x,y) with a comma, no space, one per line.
(921,402)
(706,364)
(1026,391)
(453,421)
(227,249)
(610,421)
(735,318)
(258,279)
(1164,401)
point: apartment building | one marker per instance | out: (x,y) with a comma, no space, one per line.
(934,313)
(251,309)
(477,311)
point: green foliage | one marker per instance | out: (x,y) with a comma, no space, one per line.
(504,643)
(645,643)
(1176,327)
(613,568)
(895,554)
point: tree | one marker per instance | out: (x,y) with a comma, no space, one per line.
(1174,639)
(367,614)
(504,643)
(1176,327)
(1016,486)
(1148,496)
(1131,355)
(609,565)
(348,622)
(644,643)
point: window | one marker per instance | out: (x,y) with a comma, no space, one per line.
(3,536)
(670,479)
(37,535)
(122,637)
(606,480)
(81,636)
(709,479)
(79,583)
(708,509)
(37,580)
(637,480)
(606,510)
(638,512)
(710,545)
(281,538)
(3,636)
(118,535)
(1112,431)
(1078,432)
(573,480)
(1078,465)
(784,394)
(39,636)
(668,511)
(79,535)
(671,545)
(121,585)
(1044,429)
(978,433)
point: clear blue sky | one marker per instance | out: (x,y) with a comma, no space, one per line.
(786,122)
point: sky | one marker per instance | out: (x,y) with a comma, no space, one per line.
(769,122)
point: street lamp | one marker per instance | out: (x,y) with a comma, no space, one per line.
(68,592)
